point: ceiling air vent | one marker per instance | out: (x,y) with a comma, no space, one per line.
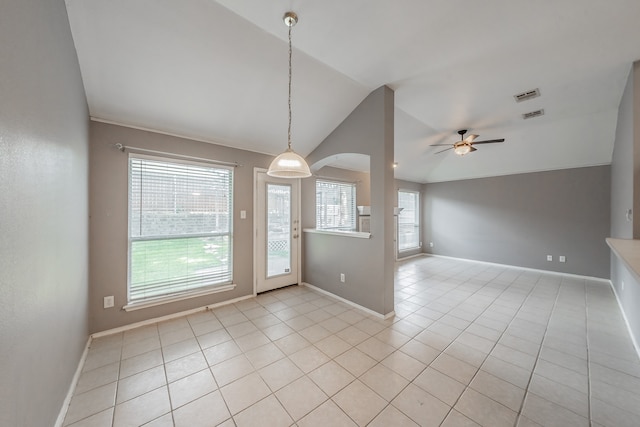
(532,114)
(530,94)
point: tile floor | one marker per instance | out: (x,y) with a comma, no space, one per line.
(471,344)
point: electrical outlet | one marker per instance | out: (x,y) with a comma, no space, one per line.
(562,258)
(108,302)
(430,244)
(549,257)
(342,277)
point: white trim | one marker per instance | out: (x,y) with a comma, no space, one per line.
(559,273)
(351,303)
(416,255)
(167,317)
(626,321)
(72,388)
(356,234)
(174,298)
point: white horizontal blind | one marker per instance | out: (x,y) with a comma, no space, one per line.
(408,220)
(335,205)
(179,227)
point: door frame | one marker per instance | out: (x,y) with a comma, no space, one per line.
(258,222)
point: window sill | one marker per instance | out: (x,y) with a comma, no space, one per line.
(174,298)
(356,234)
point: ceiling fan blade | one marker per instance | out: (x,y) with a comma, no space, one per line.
(471,138)
(473,149)
(440,145)
(442,151)
(489,141)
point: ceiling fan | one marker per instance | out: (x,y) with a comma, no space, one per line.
(465,145)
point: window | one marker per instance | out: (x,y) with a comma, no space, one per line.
(408,220)
(335,206)
(179,227)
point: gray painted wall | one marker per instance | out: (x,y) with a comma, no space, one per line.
(367,263)
(43,220)
(520,219)
(108,223)
(624,176)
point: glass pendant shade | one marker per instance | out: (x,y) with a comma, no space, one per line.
(462,149)
(289,165)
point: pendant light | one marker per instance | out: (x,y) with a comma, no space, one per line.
(289,164)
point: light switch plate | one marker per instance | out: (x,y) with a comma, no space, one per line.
(108,301)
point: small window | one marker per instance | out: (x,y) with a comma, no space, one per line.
(335,206)
(180,231)
(408,220)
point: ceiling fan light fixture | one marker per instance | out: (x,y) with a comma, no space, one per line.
(289,164)
(462,149)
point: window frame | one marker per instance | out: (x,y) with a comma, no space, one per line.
(190,291)
(416,221)
(353,207)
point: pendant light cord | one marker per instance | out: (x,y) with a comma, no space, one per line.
(289,130)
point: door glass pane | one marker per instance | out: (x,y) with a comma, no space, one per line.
(278,229)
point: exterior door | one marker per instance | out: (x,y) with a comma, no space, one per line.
(277,227)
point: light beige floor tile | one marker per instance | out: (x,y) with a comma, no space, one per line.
(101,419)
(266,321)
(333,346)
(135,348)
(213,338)
(264,355)
(241,329)
(141,363)
(355,361)
(466,354)
(327,414)
(181,349)
(561,394)
(565,360)
(562,375)
(404,365)
(298,323)
(221,352)
(140,333)
(252,340)
(142,409)
(97,358)
(315,333)
(267,412)
(277,331)
(420,351)
(232,369)
(456,419)
(384,381)
(515,357)
(549,414)
(353,335)
(485,411)
(173,325)
(506,371)
(175,336)
(300,397)
(91,402)
(456,369)
(141,383)
(292,343)
(526,422)
(440,385)
(331,378)
(97,377)
(375,348)
(392,337)
(609,415)
(391,416)
(191,388)
(280,373)
(499,390)
(420,406)
(334,324)
(185,366)
(208,410)
(309,358)
(623,399)
(359,402)
(244,392)
(163,421)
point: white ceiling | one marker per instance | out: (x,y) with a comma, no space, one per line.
(217,71)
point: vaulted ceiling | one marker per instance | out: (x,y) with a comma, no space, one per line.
(217,71)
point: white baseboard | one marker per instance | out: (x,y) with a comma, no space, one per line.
(559,273)
(168,317)
(72,388)
(351,303)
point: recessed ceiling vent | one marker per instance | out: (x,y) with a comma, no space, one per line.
(525,96)
(532,114)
